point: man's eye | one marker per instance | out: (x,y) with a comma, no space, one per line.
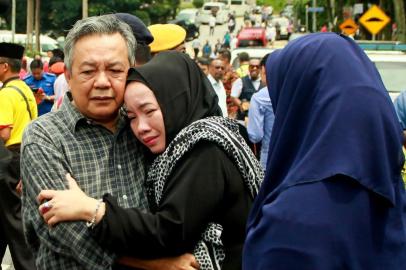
(116,70)
(87,72)
(131,117)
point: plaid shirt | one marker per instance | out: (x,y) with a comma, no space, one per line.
(100,161)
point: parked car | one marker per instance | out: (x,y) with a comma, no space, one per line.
(252,37)
(47,43)
(217,9)
(281,24)
(391,66)
(297,35)
(189,14)
(258,52)
(192,31)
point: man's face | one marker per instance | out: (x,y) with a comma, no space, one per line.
(254,68)
(37,73)
(224,59)
(216,69)
(3,69)
(98,76)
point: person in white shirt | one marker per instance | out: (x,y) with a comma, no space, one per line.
(216,73)
(212,24)
(240,90)
(243,88)
(60,87)
(196,47)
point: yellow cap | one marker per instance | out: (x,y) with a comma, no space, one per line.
(166,36)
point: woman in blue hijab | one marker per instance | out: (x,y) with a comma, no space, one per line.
(332,197)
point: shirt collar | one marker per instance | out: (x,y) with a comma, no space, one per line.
(9,80)
(75,118)
(212,80)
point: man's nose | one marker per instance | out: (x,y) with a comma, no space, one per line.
(102,80)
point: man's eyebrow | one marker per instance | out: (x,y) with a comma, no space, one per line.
(117,63)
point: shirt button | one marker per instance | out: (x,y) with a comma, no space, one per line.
(125,197)
(119,166)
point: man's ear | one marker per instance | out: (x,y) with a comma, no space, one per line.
(67,73)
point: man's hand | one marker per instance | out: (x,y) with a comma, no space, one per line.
(19,187)
(184,262)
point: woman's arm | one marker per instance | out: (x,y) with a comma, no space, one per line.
(192,198)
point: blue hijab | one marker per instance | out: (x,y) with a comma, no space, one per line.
(333,116)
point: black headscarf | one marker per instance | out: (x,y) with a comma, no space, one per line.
(182,90)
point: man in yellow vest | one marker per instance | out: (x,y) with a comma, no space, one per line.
(17,108)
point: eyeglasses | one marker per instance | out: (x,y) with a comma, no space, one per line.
(219,67)
(254,66)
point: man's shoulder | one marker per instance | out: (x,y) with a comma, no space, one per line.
(9,89)
(49,76)
(28,78)
(48,126)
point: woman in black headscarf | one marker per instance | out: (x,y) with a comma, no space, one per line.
(201,183)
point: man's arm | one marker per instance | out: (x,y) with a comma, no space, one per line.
(255,126)
(184,262)
(66,245)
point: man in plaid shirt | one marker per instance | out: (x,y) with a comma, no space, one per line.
(88,138)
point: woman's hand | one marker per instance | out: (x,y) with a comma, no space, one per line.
(184,262)
(67,205)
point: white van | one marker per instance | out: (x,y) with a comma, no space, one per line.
(219,10)
(47,43)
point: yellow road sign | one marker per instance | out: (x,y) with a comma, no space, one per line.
(349,27)
(374,20)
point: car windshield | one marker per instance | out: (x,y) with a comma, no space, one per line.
(393,75)
(184,16)
(251,43)
(214,8)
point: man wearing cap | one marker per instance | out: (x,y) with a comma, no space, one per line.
(167,37)
(17,109)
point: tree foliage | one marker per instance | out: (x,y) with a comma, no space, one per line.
(198,3)
(57,17)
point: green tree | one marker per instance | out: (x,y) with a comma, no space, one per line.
(57,17)
(198,3)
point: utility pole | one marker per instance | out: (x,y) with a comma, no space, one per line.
(13,20)
(30,23)
(307,18)
(85,7)
(314,19)
(37,25)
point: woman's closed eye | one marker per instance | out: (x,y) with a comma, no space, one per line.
(150,111)
(131,116)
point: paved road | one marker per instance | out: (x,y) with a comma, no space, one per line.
(219,32)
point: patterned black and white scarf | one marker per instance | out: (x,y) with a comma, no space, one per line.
(209,251)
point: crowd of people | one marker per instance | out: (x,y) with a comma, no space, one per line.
(146,158)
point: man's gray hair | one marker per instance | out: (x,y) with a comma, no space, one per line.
(105,24)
